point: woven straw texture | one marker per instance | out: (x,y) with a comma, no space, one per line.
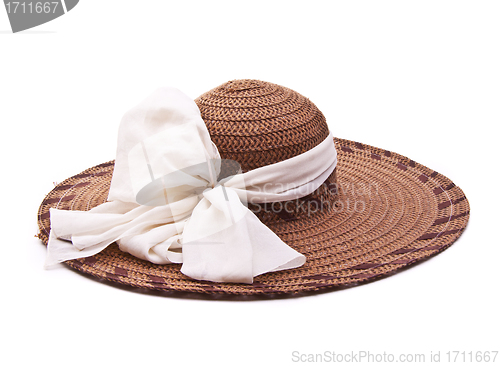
(376,214)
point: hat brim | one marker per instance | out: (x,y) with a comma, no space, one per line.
(391,213)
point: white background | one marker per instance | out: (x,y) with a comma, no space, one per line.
(420,78)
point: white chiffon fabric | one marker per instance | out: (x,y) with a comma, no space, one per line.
(165,204)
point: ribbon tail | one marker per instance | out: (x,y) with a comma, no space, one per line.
(270,253)
(81,234)
(225,242)
(59,250)
(149,233)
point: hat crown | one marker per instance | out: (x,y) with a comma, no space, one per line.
(258,123)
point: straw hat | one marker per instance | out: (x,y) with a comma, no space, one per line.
(377,213)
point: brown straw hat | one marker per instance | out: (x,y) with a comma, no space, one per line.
(377,213)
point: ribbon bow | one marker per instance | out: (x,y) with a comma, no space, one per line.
(168,203)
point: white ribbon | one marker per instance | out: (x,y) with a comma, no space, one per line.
(165,204)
